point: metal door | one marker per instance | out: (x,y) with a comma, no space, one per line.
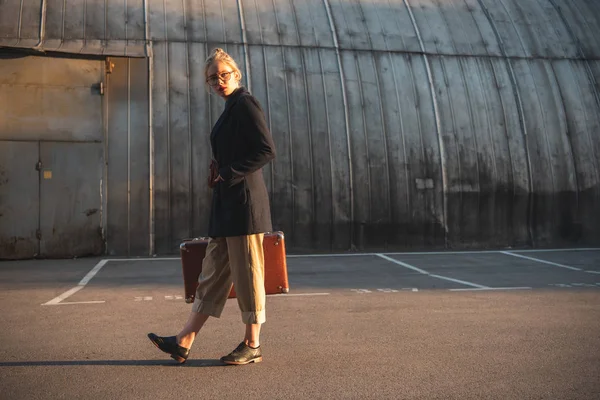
(70,199)
(19,199)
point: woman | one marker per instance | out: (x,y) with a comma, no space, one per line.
(240,215)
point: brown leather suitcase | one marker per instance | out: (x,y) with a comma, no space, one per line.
(276,280)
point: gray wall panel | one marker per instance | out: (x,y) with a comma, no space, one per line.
(162,150)
(300,147)
(19,199)
(554,184)
(312,23)
(128,212)
(320,151)
(200,128)
(341,158)
(583,124)
(70,201)
(282,174)
(139,163)
(179,143)
(118,158)
(50,99)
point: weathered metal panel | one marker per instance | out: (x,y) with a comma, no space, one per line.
(127,230)
(368,147)
(282,172)
(335,113)
(139,170)
(318,162)
(350,24)
(70,201)
(300,148)
(583,21)
(582,109)
(117,165)
(179,143)
(162,149)
(554,183)
(200,127)
(19,199)
(50,99)
(312,23)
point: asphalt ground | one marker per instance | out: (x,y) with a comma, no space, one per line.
(464,325)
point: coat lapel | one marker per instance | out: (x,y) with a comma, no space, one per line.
(230,103)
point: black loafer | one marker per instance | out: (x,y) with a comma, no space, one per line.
(169,345)
(243,354)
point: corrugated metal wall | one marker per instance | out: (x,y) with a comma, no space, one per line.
(399,124)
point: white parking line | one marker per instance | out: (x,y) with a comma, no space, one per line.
(496,288)
(405,265)
(540,261)
(86,279)
(297,294)
(593,272)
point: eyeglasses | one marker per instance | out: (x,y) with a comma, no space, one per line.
(213,80)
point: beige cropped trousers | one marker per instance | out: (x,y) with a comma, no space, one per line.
(237,260)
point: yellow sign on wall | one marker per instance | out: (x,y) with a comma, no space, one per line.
(47,174)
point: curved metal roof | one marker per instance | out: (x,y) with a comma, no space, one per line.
(514,28)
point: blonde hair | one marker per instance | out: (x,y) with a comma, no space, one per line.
(221,55)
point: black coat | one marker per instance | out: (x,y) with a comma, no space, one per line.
(241,144)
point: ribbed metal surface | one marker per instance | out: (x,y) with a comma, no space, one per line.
(407,123)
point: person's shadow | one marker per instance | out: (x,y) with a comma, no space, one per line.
(124,363)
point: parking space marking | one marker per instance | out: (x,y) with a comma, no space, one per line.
(490,288)
(540,261)
(405,265)
(86,279)
(593,272)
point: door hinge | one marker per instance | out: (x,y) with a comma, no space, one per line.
(38,234)
(38,166)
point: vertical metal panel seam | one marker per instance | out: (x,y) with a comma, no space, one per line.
(126,25)
(105,38)
(327,119)
(150,55)
(84,22)
(62,30)
(300,50)
(168,126)
(589,73)
(520,110)
(545,130)
(104,185)
(287,102)
(438,124)
(487,118)
(364,127)
(566,133)
(189,125)
(20,24)
(497,32)
(43,17)
(346,119)
(402,129)
(308,115)
(244,43)
(381,110)
(128,157)
(268,99)
(39,221)
(471,123)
